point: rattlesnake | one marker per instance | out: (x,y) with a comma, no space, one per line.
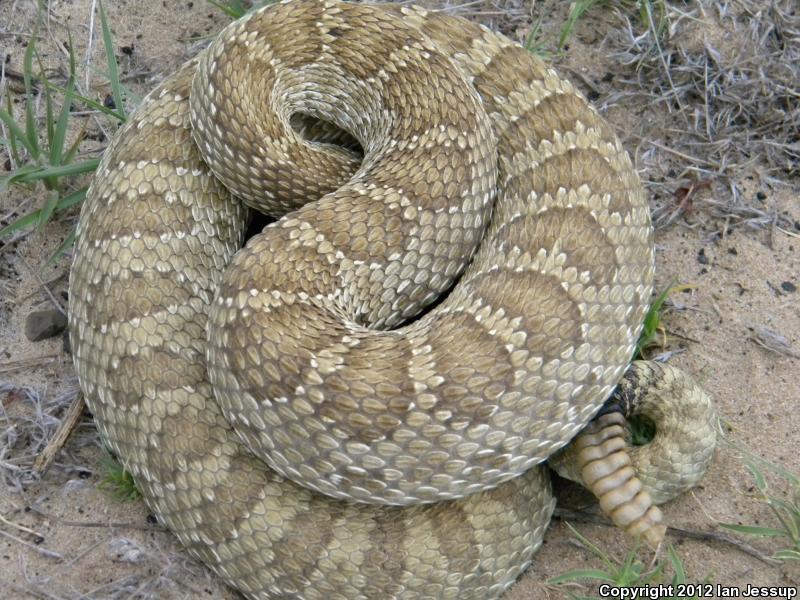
(401,431)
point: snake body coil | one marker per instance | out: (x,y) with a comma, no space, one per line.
(256,394)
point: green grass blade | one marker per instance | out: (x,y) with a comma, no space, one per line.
(532,43)
(41,173)
(117,480)
(793,480)
(591,547)
(632,572)
(32,218)
(48,101)
(576,12)
(16,133)
(48,209)
(60,135)
(234,8)
(679,575)
(31,133)
(111,60)
(652,320)
(787,514)
(133,98)
(72,199)
(76,97)
(787,555)
(782,506)
(68,241)
(758,476)
(21,223)
(69,156)
(18,175)
(753,459)
(582,574)
(11,141)
(656,23)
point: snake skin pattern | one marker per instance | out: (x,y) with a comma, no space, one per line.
(306,414)
(630,480)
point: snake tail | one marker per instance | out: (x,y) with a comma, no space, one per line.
(628,478)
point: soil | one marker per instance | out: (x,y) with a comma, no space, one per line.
(732,240)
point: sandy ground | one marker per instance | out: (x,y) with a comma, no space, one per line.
(735,241)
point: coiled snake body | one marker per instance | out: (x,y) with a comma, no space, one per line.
(363,438)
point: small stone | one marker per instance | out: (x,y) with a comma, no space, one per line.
(701,257)
(788,286)
(43,324)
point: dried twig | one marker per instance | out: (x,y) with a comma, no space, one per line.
(43,551)
(68,424)
(773,341)
(566,514)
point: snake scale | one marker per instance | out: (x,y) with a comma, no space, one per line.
(359,403)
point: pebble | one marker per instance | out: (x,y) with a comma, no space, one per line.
(43,324)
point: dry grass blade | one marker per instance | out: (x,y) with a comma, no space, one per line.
(722,87)
(29,420)
(773,341)
(68,423)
